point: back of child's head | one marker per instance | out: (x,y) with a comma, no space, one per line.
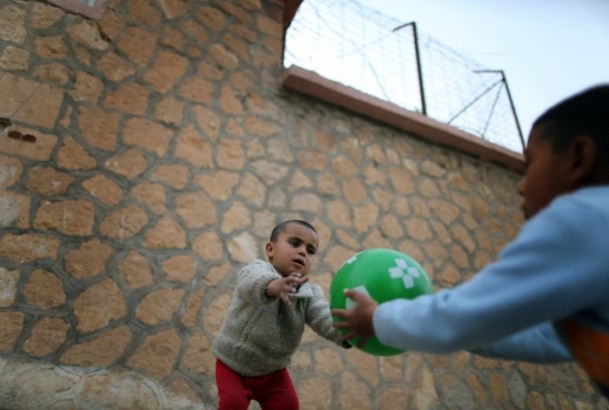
(279,228)
(585,113)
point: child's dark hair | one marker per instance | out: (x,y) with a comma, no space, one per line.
(277,230)
(585,113)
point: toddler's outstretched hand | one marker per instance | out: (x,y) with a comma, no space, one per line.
(282,287)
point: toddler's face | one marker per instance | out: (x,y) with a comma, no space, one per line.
(546,176)
(294,250)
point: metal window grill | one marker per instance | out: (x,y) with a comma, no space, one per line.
(347,42)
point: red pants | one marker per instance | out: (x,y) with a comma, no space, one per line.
(273,391)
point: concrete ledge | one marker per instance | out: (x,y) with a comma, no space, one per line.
(310,83)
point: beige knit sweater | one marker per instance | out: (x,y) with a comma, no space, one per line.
(260,333)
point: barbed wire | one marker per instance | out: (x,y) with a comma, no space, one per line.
(393,60)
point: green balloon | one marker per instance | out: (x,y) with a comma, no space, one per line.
(384,275)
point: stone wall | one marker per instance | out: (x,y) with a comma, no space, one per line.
(148,156)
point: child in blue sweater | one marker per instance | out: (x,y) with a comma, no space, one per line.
(546,299)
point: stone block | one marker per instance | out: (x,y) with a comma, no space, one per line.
(196,210)
(135,270)
(51,47)
(261,128)
(215,313)
(8,286)
(15,91)
(88,260)
(100,351)
(252,190)
(152,195)
(11,170)
(193,308)
(14,209)
(129,98)
(120,391)
(237,217)
(173,38)
(193,30)
(159,306)
(138,44)
(318,392)
(48,181)
(230,102)
(48,334)
(198,356)
(13,28)
(87,306)
(14,59)
(11,324)
(219,185)
(148,135)
(230,154)
(180,268)
(45,16)
(28,247)
(114,67)
(39,150)
(41,107)
(169,111)
(44,290)
(173,8)
(74,156)
(197,90)
(98,127)
(193,147)
(111,24)
(54,73)
(157,354)
(87,34)
(104,189)
(71,217)
(166,234)
(174,175)
(167,70)
(143,12)
(124,223)
(32,384)
(242,248)
(86,88)
(129,164)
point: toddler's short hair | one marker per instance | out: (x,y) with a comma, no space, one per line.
(277,230)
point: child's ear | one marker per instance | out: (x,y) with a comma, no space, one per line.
(585,154)
(268,250)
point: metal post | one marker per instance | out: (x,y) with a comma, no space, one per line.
(513,108)
(419,66)
(514,111)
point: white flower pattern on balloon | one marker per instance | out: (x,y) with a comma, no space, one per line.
(405,272)
(349,261)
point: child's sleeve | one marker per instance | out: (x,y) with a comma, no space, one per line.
(319,318)
(253,280)
(555,268)
(539,344)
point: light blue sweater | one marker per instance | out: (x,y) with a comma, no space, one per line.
(556,268)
